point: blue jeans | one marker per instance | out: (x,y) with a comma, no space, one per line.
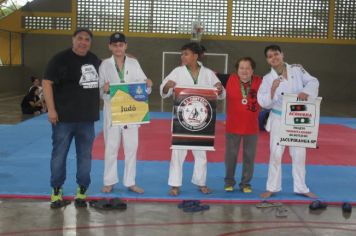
(62,136)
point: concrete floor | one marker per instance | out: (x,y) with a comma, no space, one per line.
(34,217)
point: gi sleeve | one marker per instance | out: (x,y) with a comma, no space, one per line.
(310,83)
(103,78)
(141,76)
(215,80)
(264,94)
(172,76)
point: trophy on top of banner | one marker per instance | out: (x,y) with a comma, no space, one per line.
(197,31)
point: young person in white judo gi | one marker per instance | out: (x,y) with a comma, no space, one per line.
(284,79)
(190,73)
(119,68)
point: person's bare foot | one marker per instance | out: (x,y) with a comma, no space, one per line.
(205,189)
(174,191)
(136,189)
(107,189)
(310,195)
(266,194)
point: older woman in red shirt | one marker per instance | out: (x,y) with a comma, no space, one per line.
(241,123)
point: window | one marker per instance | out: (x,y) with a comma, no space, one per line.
(46,23)
(101,15)
(345,19)
(166,16)
(280,18)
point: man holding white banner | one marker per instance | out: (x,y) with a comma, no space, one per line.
(284,79)
(192,74)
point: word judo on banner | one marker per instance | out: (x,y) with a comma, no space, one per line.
(129,103)
(300,122)
(194,116)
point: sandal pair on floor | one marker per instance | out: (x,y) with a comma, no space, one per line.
(108,204)
(267,204)
(281,211)
(192,206)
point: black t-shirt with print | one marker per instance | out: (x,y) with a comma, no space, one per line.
(75,86)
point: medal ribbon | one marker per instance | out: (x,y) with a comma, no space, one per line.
(243,91)
(195,80)
(121,72)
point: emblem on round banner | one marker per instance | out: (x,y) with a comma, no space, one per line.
(194,113)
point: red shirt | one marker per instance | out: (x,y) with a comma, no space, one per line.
(242,119)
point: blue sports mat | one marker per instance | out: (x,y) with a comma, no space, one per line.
(25,156)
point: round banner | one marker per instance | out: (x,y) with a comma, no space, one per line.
(194,113)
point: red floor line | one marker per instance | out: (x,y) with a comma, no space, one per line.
(88,227)
(263,229)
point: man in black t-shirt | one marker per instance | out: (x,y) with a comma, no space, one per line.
(71,91)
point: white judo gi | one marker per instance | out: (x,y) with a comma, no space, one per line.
(182,77)
(298,81)
(113,134)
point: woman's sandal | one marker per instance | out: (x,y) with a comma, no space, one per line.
(204,189)
(174,191)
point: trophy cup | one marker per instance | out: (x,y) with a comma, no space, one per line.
(197,31)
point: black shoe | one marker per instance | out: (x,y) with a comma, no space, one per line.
(317,205)
(346,207)
(59,204)
(80,203)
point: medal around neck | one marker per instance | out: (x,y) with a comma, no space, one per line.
(245,92)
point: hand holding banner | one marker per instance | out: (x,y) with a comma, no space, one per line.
(129,103)
(300,122)
(194,116)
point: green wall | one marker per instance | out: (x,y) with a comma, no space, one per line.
(14,80)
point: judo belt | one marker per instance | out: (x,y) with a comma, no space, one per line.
(277,112)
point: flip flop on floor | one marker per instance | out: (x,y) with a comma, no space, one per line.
(188,203)
(108,204)
(102,204)
(266,204)
(196,208)
(318,205)
(118,204)
(346,207)
(281,212)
